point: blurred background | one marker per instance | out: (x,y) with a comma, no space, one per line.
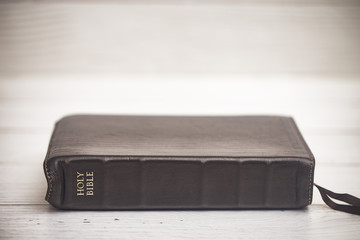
(208,57)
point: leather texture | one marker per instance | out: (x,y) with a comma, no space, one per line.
(178,162)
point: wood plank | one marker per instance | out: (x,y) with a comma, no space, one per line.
(22,148)
(327,105)
(336,148)
(42,222)
(22,183)
(244,38)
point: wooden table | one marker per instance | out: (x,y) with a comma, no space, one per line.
(210,58)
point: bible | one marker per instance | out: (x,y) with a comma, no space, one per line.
(178,162)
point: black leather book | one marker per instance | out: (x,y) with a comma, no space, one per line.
(173,162)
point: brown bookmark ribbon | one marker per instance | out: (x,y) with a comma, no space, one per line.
(353,208)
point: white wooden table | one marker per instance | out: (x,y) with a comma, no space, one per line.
(213,58)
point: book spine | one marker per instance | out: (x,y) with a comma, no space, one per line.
(175,183)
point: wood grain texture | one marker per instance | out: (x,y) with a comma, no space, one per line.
(238,38)
(326,105)
(318,223)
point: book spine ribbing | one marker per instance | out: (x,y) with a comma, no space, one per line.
(149,183)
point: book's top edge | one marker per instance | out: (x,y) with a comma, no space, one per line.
(182,116)
(144,158)
(178,136)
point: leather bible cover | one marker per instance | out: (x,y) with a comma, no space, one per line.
(173,162)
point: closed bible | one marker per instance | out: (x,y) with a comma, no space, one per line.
(178,162)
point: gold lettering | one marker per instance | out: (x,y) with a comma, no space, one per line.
(85,184)
(80,188)
(80,192)
(79,175)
